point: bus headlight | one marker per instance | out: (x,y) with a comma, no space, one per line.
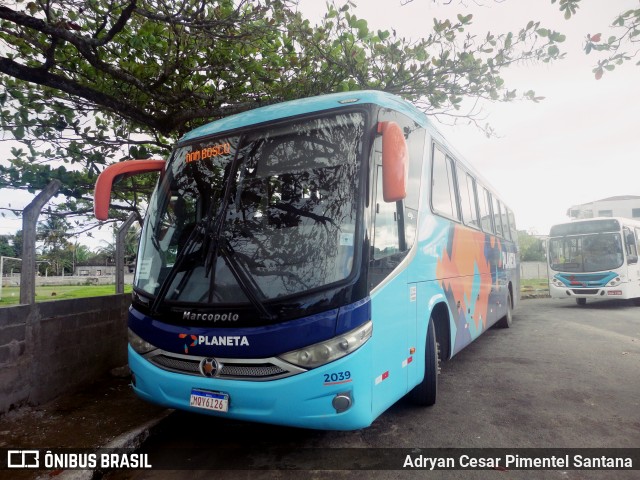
(330,350)
(138,344)
(615,282)
(557,283)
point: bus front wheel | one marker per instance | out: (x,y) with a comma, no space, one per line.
(425,392)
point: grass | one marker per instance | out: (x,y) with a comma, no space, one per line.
(11,295)
(534,284)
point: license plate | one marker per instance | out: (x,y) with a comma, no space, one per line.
(216,401)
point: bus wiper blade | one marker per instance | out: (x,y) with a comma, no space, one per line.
(214,228)
(244,280)
(187,249)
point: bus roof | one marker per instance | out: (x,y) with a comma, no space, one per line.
(577,227)
(307,105)
(329,101)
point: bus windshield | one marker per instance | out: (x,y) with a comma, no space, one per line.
(255,216)
(586,253)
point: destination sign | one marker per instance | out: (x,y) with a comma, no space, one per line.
(209,152)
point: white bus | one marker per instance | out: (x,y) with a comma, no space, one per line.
(594,258)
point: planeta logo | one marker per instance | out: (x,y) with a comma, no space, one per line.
(193,343)
(221,340)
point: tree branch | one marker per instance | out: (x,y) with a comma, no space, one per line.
(47,79)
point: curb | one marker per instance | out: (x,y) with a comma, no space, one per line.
(132,440)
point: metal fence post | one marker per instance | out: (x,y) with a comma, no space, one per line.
(120,240)
(29,220)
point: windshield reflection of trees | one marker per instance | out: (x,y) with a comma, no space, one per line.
(290,221)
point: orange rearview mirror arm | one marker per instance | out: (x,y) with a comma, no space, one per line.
(102,193)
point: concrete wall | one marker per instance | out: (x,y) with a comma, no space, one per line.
(533,270)
(50,348)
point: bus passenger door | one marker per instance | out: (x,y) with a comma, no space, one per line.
(415,337)
(632,248)
(391,309)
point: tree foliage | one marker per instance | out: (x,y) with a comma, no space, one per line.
(617,48)
(7,246)
(532,248)
(85,83)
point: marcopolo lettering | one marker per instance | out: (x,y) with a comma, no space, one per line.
(211,317)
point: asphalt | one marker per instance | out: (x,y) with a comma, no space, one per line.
(106,414)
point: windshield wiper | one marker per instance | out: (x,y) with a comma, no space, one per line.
(187,249)
(244,280)
(221,245)
(209,230)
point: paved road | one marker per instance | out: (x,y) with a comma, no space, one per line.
(562,376)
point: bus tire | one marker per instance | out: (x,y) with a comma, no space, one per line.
(581,301)
(424,394)
(507,320)
(636,301)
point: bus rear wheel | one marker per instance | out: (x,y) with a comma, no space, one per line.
(507,320)
(425,392)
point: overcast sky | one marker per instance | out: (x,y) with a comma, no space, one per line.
(578,145)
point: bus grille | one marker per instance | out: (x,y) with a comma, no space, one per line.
(585,291)
(259,369)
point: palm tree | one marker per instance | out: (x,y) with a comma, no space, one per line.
(131,239)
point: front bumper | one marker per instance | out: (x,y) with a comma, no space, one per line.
(618,291)
(302,400)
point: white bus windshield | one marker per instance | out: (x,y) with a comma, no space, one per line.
(269,213)
(586,253)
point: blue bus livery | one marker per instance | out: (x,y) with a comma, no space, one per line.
(312,262)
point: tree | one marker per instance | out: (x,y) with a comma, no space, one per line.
(56,247)
(86,84)
(531,247)
(7,248)
(131,240)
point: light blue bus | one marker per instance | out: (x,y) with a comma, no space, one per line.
(312,262)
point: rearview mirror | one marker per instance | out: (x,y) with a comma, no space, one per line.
(395,162)
(102,193)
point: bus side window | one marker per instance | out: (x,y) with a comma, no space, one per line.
(485,210)
(443,193)
(630,245)
(512,225)
(386,240)
(505,222)
(497,222)
(467,198)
